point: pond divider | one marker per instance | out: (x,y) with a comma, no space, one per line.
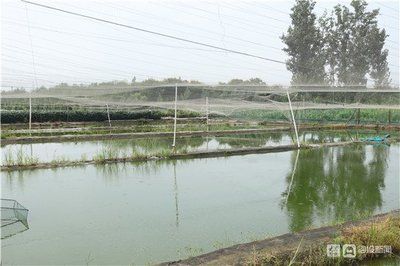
(111,136)
(174,156)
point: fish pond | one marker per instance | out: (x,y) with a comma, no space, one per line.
(149,212)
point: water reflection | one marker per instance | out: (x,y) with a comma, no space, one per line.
(335,184)
(176,197)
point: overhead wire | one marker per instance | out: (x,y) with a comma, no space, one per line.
(157,33)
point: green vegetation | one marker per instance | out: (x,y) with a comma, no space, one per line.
(161,127)
(379,233)
(341,47)
(22,116)
(325,115)
(19,158)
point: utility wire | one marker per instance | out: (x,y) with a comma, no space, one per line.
(31,44)
(155,33)
(388,7)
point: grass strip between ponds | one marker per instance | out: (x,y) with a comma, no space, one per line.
(106,156)
(310,247)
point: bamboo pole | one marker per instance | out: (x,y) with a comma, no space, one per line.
(30,113)
(108,116)
(294,121)
(176,99)
(207,110)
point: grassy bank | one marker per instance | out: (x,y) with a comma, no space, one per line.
(325,115)
(160,127)
(385,232)
(106,156)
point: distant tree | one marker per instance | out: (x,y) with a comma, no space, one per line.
(150,81)
(251,81)
(331,44)
(256,81)
(173,80)
(305,44)
(378,58)
(360,27)
(133,80)
(235,81)
(354,45)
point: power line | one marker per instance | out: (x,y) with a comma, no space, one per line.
(156,33)
(31,44)
(130,10)
(388,7)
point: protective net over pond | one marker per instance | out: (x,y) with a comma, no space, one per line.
(245,102)
(14,218)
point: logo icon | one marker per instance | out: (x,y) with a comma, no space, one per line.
(349,251)
(333,250)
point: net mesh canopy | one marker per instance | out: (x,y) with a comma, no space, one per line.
(246,102)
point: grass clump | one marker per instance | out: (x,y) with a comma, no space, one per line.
(20,158)
(106,154)
(382,233)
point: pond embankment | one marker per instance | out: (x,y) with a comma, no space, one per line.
(164,155)
(171,155)
(309,246)
(113,135)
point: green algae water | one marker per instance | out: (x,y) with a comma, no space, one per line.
(167,210)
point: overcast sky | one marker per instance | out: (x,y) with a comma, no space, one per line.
(77,50)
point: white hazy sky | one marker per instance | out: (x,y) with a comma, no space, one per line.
(76,50)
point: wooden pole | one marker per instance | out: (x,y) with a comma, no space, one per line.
(390,117)
(176,99)
(358,116)
(294,121)
(207,110)
(108,116)
(30,113)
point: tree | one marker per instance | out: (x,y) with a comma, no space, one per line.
(379,65)
(330,48)
(304,43)
(361,23)
(353,45)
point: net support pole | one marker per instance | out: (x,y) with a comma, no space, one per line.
(207,110)
(30,113)
(108,115)
(175,106)
(294,121)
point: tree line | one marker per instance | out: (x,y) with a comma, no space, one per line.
(342,47)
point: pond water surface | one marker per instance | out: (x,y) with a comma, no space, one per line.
(166,210)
